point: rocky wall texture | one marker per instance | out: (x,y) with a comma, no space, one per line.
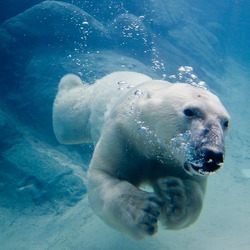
(42,41)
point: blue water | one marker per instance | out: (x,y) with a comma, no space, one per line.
(43,193)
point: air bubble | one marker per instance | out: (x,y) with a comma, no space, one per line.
(130,86)
(143,128)
(138,92)
(185,69)
(122,83)
(202,84)
(193,76)
(172,78)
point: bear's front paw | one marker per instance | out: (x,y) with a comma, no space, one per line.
(182,201)
(147,217)
(141,213)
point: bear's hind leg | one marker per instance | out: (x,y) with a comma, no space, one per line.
(71,111)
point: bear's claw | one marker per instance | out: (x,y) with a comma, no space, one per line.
(147,222)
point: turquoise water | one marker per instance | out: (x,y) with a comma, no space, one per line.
(43,186)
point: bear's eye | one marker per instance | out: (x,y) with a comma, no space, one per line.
(226,124)
(188,112)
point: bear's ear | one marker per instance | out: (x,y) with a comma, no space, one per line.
(152,93)
(149,95)
(157,88)
(69,81)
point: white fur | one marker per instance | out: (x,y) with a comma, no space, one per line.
(133,128)
(79,109)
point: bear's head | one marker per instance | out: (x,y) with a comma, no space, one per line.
(189,124)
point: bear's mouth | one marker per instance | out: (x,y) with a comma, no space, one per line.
(206,169)
(205,162)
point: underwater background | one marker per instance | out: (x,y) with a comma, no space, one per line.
(43,186)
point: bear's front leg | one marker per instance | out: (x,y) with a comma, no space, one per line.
(183,201)
(122,205)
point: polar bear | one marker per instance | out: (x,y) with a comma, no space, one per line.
(168,136)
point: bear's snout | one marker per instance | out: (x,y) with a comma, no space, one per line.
(214,155)
(213,159)
(206,161)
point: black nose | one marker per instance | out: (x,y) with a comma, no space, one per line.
(213,155)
